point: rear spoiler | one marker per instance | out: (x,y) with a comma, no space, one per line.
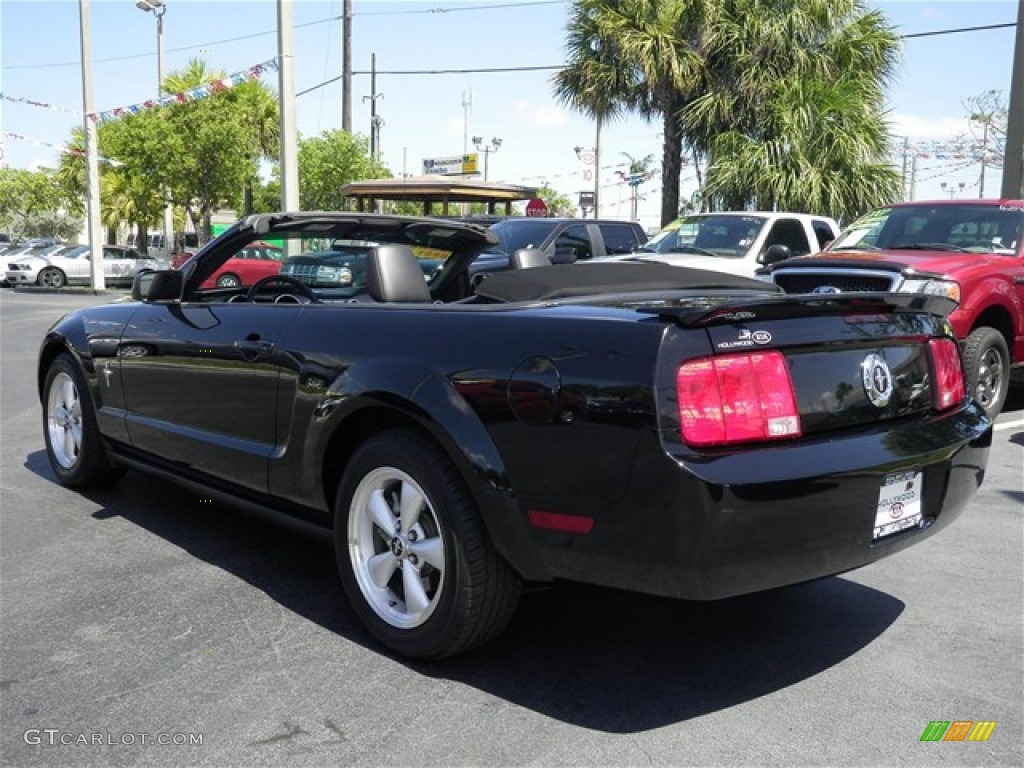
(803,305)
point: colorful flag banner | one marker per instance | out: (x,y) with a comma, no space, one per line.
(67,150)
(193,94)
(40,104)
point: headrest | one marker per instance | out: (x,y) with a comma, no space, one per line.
(393,274)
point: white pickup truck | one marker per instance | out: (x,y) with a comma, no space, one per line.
(738,242)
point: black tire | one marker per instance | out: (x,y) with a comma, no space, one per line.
(390,569)
(73,442)
(51,277)
(987,365)
(228,280)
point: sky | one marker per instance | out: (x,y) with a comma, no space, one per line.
(436,115)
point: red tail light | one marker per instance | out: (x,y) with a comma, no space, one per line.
(948,389)
(737,399)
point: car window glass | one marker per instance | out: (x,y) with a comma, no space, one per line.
(577,239)
(822,233)
(618,238)
(789,232)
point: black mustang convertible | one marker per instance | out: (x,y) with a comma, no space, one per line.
(634,425)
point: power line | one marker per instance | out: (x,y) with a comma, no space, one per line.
(435,11)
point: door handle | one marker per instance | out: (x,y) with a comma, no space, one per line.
(254,346)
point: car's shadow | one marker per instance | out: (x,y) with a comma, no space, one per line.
(597,658)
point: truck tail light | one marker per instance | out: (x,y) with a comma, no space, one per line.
(737,398)
(948,389)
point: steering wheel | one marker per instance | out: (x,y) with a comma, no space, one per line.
(303,289)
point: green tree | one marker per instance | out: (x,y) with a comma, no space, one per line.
(790,114)
(31,204)
(770,91)
(557,203)
(208,151)
(639,56)
(330,161)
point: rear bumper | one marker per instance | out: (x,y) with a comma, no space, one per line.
(708,527)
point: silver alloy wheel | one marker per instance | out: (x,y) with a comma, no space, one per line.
(396,547)
(64,420)
(990,378)
(51,277)
(228,281)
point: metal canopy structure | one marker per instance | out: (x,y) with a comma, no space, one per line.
(430,190)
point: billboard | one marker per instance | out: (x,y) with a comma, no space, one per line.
(456,165)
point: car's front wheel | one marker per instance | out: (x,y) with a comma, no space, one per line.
(987,364)
(228,280)
(73,442)
(51,277)
(413,553)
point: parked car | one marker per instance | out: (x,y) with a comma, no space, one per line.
(71,266)
(969,250)
(342,266)
(564,240)
(640,426)
(738,242)
(250,264)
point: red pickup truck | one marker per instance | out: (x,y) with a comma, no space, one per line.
(969,250)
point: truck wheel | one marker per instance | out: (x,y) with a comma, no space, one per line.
(987,365)
(413,553)
(73,442)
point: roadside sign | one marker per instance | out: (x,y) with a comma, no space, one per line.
(537,208)
(458,165)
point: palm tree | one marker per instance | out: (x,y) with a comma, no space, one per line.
(791,114)
(192,76)
(640,56)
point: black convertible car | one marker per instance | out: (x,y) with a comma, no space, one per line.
(640,426)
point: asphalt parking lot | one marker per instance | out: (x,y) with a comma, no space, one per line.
(141,625)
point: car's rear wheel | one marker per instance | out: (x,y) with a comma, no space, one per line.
(73,442)
(51,277)
(413,553)
(228,280)
(987,364)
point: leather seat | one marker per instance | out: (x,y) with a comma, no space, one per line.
(393,274)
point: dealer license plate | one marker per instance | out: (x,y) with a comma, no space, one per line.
(899,504)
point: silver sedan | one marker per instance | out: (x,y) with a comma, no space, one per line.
(70,266)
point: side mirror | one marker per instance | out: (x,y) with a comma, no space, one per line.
(564,255)
(165,285)
(776,253)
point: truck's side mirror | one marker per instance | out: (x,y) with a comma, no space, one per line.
(776,253)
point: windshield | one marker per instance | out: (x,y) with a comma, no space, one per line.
(965,227)
(514,234)
(727,237)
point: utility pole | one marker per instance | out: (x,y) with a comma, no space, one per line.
(1013,161)
(286,89)
(346,67)
(467,107)
(92,155)
(597,170)
(375,120)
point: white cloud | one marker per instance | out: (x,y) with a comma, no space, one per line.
(915,127)
(538,115)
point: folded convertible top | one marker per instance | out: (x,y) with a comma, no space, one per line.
(597,278)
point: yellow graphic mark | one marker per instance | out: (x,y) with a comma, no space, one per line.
(982,730)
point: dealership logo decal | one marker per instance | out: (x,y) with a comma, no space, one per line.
(748,338)
(877,380)
(958,730)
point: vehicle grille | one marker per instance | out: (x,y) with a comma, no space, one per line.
(304,272)
(801,282)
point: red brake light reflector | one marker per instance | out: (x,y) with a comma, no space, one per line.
(737,399)
(948,389)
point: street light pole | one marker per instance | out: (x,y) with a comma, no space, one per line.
(158,8)
(92,158)
(478,142)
